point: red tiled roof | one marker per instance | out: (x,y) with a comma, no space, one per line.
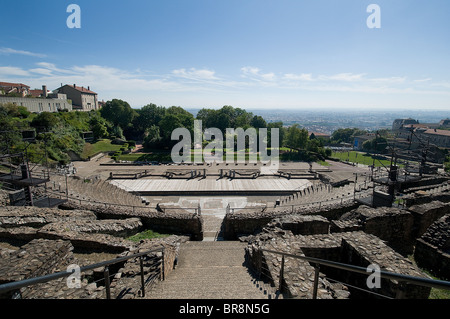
(8,84)
(35,93)
(81,89)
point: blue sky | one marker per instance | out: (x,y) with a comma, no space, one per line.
(246,53)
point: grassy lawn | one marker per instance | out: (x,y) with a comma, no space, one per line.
(435,293)
(100,146)
(164,157)
(323,163)
(147,234)
(360,158)
(439,293)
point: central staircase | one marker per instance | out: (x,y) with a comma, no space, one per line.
(212,228)
(210,270)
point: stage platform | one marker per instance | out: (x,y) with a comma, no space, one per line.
(212,186)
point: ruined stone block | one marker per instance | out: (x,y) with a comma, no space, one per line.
(303,224)
(433,248)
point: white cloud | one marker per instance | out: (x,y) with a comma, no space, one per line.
(250,70)
(41,71)
(423,80)
(52,67)
(12,70)
(8,51)
(192,86)
(255,74)
(298,77)
(393,79)
(347,77)
(445,85)
(194,74)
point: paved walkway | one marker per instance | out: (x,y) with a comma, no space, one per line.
(210,270)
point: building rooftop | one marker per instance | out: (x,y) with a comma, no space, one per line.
(82,89)
(8,84)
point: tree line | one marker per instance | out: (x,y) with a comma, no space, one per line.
(60,133)
(153,125)
(56,135)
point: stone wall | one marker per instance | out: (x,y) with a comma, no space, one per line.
(46,241)
(42,256)
(356,248)
(332,210)
(364,250)
(298,276)
(361,249)
(426,214)
(433,248)
(303,224)
(29,216)
(418,198)
(37,258)
(425,181)
(116,227)
(89,242)
(390,224)
(128,282)
(37,105)
(247,223)
(79,227)
(171,222)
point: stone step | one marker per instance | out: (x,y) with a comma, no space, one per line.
(212,227)
(210,269)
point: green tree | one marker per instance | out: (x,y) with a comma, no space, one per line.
(258,122)
(167,125)
(13,110)
(346,135)
(99,129)
(147,116)
(153,138)
(275,125)
(45,121)
(117,132)
(296,137)
(207,116)
(118,112)
(378,145)
(228,117)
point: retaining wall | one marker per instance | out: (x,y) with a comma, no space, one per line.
(37,258)
(246,223)
(170,222)
(356,248)
(433,248)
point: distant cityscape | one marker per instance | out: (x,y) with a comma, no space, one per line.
(328,120)
(323,121)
